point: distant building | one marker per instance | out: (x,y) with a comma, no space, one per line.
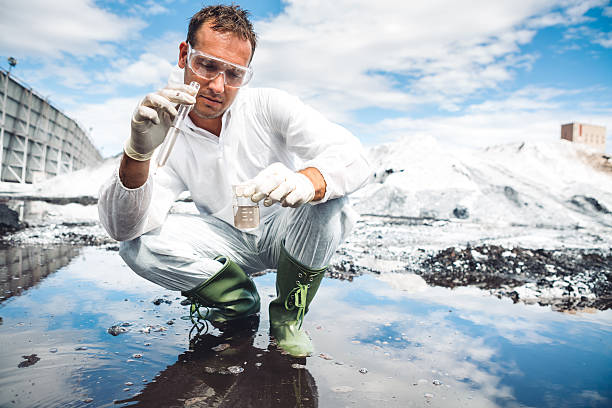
(592,135)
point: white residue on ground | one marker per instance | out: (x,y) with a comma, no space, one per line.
(532,184)
(83,182)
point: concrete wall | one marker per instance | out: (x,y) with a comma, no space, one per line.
(37,140)
(591,135)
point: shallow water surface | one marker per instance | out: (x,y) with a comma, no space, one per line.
(387,340)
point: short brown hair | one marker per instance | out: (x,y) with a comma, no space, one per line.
(224,19)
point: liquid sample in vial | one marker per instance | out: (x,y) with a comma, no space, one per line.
(246,216)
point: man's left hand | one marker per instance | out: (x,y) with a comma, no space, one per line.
(277,183)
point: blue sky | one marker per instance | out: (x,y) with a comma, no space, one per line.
(469,73)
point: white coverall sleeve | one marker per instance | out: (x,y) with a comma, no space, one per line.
(128,213)
(319,143)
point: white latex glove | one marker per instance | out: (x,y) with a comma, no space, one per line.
(153,117)
(277,183)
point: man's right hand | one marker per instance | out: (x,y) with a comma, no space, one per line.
(153,117)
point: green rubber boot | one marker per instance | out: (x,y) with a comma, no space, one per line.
(227,295)
(296,286)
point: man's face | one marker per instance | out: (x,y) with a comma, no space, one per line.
(214,97)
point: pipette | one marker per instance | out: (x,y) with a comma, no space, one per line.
(166,147)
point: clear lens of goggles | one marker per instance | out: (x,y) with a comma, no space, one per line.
(210,67)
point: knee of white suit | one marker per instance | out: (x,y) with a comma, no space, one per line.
(171,270)
(316,231)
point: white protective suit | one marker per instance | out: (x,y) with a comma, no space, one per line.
(263,126)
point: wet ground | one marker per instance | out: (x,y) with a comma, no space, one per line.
(383,339)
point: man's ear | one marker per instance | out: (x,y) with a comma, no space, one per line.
(182,61)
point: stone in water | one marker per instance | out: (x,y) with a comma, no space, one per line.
(235,369)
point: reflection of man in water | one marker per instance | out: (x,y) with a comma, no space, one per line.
(301,165)
(200,377)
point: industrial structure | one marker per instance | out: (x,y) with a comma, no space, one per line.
(591,135)
(37,140)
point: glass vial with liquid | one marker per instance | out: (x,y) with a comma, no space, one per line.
(246,212)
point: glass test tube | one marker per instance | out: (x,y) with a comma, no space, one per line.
(173,132)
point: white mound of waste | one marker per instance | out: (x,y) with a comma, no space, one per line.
(531,183)
(83,182)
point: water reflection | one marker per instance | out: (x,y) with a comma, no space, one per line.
(22,268)
(229,370)
(421,346)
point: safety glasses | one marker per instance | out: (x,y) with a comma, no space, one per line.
(209,67)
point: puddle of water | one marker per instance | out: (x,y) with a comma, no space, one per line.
(385,341)
(21,268)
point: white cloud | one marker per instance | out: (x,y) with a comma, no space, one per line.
(148,70)
(516,119)
(166,46)
(151,69)
(67,73)
(50,28)
(607,11)
(527,99)
(110,121)
(150,8)
(347,55)
(571,12)
(577,9)
(604,39)
(587,34)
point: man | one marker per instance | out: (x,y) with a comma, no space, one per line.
(233,136)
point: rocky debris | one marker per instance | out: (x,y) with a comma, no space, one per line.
(221,347)
(587,203)
(565,279)
(298,366)
(29,360)
(9,220)
(598,160)
(235,369)
(83,199)
(148,328)
(159,301)
(512,195)
(118,329)
(342,388)
(79,234)
(461,212)
(345,269)
(76,238)
(325,356)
